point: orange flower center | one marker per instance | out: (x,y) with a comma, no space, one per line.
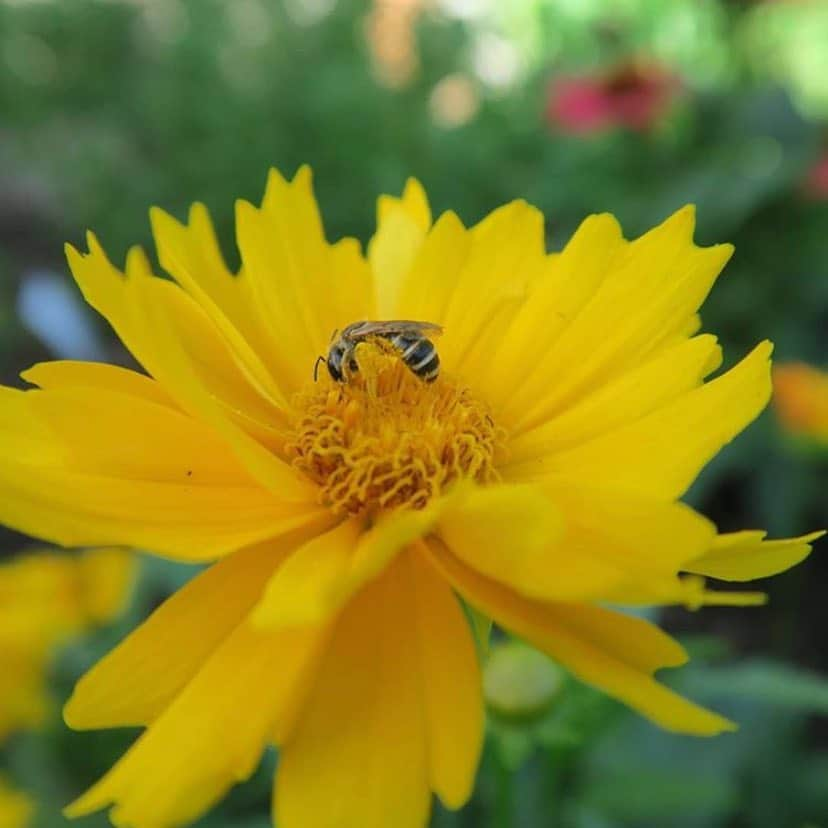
(386,439)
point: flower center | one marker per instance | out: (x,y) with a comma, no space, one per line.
(386,439)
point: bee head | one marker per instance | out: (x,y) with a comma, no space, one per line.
(334,362)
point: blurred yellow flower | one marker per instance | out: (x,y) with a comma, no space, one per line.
(538,477)
(801,399)
(16,809)
(45,598)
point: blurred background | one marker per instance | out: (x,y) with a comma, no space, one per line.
(631,106)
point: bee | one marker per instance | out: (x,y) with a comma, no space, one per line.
(409,339)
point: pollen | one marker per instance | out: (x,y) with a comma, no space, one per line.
(385,439)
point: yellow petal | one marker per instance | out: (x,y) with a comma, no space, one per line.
(720,598)
(351,292)
(179,345)
(158,305)
(45,599)
(106,577)
(25,438)
(79,472)
(320,577)
(503,531)
(45,596)
(613,539)
(213,733)
(120,435)
(614,652)
(25,699)
(402,225)
(193,251)
(743,556)
(191,523)
(659,381)
(661,453)
(218,368)
(506,253)
(307,588)
(135,682)
(16,809)
(358,754)
(190,254)
(638,534)
(422,630)
(469,281)
(302,286)
(688,591)
(413,201)
(653,287)
(569,282)
(102,285)
(113,295)
(96,376)
(452,700)
(571,542)
(427,286)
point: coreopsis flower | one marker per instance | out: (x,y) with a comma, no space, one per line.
(390,34)
(801,399)
(538,476)
(46,598)
(16,808)
(631,95)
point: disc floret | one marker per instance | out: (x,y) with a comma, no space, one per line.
(386,439)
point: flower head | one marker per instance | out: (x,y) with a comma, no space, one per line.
(45,599)
(398,444)
(801,399)
(633,96)
(537,477)
(16,809)
(815,183)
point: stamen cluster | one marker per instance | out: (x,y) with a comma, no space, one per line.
(385,439)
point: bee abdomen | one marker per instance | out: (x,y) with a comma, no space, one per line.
(430,370)
(420,355)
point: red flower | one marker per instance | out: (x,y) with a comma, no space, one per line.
(816,179)
(631,96)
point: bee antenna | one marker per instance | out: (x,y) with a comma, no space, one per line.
(316,367)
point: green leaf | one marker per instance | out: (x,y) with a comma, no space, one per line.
(660,794)
(766,682)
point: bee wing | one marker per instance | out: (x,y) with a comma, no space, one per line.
(362,330)
(426,328)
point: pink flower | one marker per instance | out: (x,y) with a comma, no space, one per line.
(631,96)
(816,179)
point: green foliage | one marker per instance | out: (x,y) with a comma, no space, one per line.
(610,768)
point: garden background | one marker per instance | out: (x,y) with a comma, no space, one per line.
(630,106)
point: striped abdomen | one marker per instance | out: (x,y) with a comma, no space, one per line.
(419,354)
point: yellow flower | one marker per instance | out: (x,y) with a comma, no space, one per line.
(45,598)
(16,809)
(801,399)
(537,477)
